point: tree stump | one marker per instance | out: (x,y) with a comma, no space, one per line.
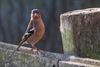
(80,31)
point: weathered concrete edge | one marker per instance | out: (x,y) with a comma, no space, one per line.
(52,56)
(26,56)
(28,50)
(82,11)
(74,64)
(86,61)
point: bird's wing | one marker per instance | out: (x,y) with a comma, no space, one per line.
(28,34)
(29,31)
(30,25)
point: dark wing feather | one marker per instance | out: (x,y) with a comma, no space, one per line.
(30,26)
(29,31)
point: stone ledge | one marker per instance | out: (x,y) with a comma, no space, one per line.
(80,32)
(25,58)
(74,64)
(83,11)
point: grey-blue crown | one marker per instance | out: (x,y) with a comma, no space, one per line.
(35,11)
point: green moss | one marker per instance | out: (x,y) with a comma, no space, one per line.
(23,57)
(31,61)
(1,56)
(1,59)
(93,55)
(68,43)
(90,53)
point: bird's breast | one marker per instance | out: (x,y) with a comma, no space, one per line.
(40,29)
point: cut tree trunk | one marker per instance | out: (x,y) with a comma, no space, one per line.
(80,31)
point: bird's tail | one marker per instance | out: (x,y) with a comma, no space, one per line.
(20,44)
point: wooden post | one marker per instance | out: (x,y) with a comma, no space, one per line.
(80,31)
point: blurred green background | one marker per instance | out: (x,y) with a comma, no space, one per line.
(15,15)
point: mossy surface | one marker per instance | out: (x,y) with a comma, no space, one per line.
(81,33)
(2,55)
(67,37)
(68,44)
(25,59)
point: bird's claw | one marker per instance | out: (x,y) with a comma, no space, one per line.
(34,50)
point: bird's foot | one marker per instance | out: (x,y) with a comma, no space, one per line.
(34,50)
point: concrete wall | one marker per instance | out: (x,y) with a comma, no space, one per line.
(25,58)
(80,31)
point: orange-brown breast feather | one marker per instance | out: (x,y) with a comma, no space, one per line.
(40,29)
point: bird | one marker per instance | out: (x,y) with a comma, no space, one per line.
(34,31)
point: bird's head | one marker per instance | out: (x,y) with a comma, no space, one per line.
(35,14)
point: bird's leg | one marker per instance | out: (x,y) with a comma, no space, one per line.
(34,50)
